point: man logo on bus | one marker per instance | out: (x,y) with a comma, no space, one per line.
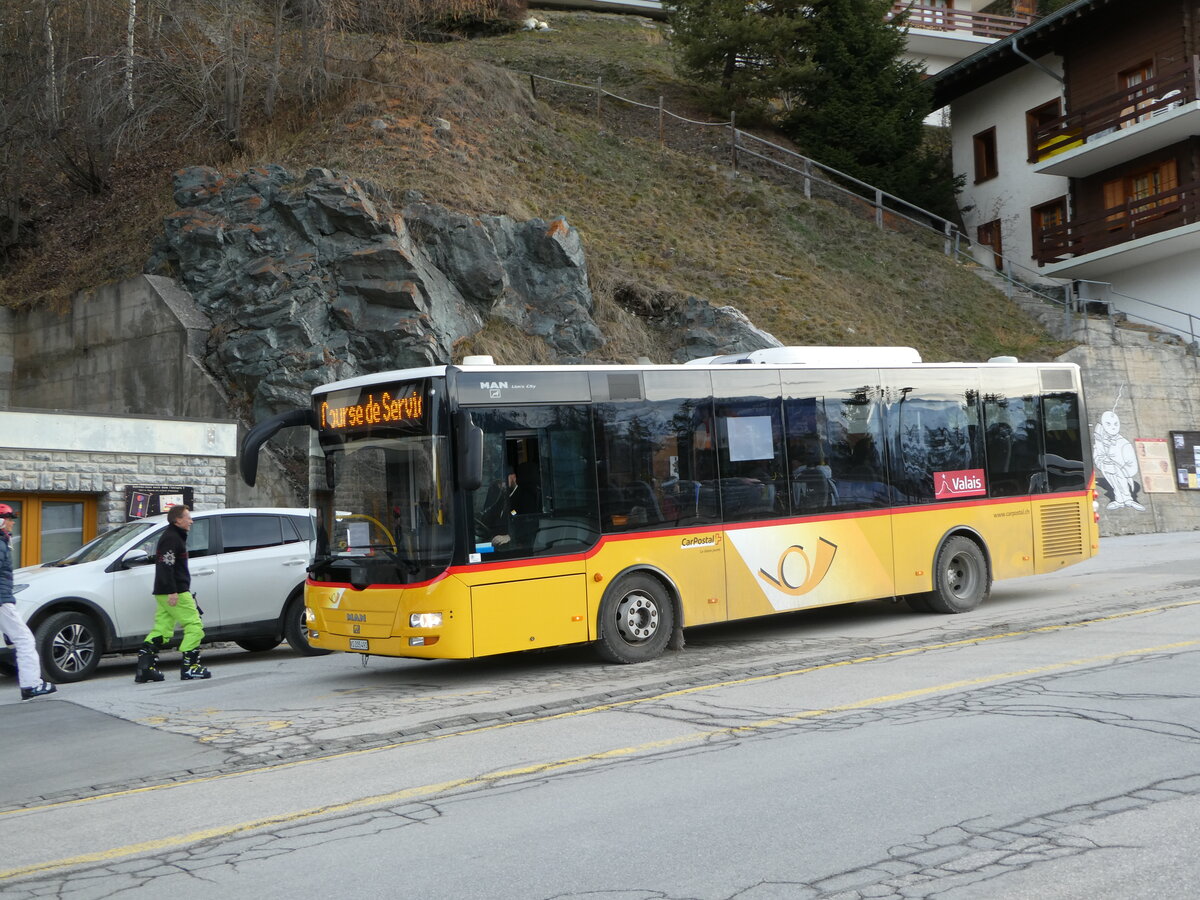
(814,571)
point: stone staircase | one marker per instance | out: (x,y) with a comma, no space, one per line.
(1096,318)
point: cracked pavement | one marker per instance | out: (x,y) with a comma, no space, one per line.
(1035,748)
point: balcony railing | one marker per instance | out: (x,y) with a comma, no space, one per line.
(1121,109)
(933,18)
(1137,218)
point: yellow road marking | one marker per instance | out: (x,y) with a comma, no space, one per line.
(433,790)
(603,707)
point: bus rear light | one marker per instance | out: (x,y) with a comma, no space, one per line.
(422,641)
(425,620)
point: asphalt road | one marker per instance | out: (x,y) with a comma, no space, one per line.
(1045,745)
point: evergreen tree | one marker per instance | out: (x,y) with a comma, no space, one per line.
(862,110)
(750,54)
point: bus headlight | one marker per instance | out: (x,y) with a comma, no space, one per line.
(425,620)
(309,615)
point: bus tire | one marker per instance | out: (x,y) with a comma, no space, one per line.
(637,618)
(961,578)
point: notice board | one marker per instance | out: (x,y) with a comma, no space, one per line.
(1185,453)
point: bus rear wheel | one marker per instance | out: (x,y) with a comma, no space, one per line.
(961,579)
(636,620)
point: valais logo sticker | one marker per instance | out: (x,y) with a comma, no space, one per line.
(963,483)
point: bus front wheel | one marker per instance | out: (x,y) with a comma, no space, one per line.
(636,620)
(961,579)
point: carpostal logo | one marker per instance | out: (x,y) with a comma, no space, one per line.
(703,540)
(796,574)
(963,483)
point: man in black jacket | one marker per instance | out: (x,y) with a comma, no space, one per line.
(176,605)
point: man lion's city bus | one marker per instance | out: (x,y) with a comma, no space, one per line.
(474,509)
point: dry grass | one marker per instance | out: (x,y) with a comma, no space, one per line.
(657,224)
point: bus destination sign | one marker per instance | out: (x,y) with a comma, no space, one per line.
(384,407)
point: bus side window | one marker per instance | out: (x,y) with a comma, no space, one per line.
(934,431)
(753,466)
(656,455)
(1063,457)
(537,495)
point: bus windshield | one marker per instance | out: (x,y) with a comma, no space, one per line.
(383,494)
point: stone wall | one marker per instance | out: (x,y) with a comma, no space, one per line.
(108,474)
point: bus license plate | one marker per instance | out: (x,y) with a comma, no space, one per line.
(358,644)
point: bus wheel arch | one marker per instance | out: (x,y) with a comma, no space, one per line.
(639,617)
(962,573)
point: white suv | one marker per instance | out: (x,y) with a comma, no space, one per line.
(248,568)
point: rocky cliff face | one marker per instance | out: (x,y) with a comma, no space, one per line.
(309,280)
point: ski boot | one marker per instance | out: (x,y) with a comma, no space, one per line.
(147,664)
(191,669)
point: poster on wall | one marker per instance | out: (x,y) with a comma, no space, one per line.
(153,500)
(1154,463)
(1185,457)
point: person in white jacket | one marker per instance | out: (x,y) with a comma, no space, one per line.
(29,666)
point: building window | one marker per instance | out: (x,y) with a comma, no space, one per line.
(1047,132)
(986,165)
(1141,196)
(50,526)
(988,235)
(1047,221)
(1134,79)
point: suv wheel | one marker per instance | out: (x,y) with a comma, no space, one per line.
(70,645)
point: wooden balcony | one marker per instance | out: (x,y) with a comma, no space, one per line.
(932,18)
(1138,218)
(1119,110)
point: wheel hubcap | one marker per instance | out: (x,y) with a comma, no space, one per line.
(637,618)
(961,576)
(73,648)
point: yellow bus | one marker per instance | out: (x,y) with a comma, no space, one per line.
(475,509)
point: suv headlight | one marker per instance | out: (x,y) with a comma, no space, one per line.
(17,588)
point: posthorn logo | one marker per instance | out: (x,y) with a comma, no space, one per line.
(796,574)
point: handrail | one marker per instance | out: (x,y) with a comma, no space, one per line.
(1121,109)
(1192,326)
(934,18)
(887,207)
(1135,218)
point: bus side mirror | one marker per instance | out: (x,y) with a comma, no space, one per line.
(470,451)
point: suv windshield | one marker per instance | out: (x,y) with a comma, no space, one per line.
(102,546)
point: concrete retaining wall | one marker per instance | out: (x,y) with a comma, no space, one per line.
(1151,382)
(136,347)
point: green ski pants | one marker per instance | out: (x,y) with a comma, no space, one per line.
(183,614)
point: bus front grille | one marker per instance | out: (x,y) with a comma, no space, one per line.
(1062,530)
